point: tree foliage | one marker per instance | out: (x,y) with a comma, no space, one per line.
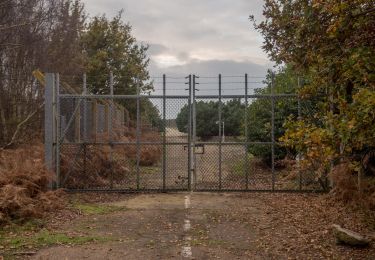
(207,117)
(109,46)
(53,36)
(332,44)
(34,34)
(259,113)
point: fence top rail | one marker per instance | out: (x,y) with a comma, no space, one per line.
(72,96)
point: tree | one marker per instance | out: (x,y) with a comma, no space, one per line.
(182,120)
(259,114)
(151,114)
(110,47)
(52,35)
(332,43)
(33,34)
(233,117)
(207,117)
(65,54)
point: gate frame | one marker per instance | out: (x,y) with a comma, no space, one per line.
(54,135)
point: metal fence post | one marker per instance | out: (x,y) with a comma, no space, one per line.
(190,168)
(138,136)
(246,134)
(84,92)
(194,135)
(57,130)
(220,134)
(110,126)
(273,129)
(298,154)
(49,129)
(164,133)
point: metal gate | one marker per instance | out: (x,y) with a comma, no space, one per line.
(193,133)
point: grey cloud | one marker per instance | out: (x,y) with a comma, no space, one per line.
(212,67)
(208,72)
(183,56)
(155,49)
(215,30)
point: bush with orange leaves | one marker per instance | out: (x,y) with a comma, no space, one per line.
(103,166)
(24,181)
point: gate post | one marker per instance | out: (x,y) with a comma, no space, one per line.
(194,119)
(110,125)
(246,133)
(57,129)
(84,92)
(273,129)
(190,168)
(298,152)
(49,124)
(220,134)
(138,135)
(164,133)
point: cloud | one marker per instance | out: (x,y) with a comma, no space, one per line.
(186,36)
(233,80)
(156,49)
(211,68)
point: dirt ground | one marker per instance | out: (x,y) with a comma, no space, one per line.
(208,226)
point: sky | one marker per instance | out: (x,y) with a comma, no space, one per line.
(203,37)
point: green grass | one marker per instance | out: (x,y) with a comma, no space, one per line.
(30,236)
(45,238)
(17,227)
(96,209)
(33,235)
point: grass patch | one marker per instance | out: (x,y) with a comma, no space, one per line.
(30,237)
(96,209)
(19,226)
(45,238)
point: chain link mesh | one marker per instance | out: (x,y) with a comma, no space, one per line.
(158,142)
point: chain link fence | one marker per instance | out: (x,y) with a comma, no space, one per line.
(189,133)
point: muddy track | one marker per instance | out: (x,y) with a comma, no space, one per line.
(212,226)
